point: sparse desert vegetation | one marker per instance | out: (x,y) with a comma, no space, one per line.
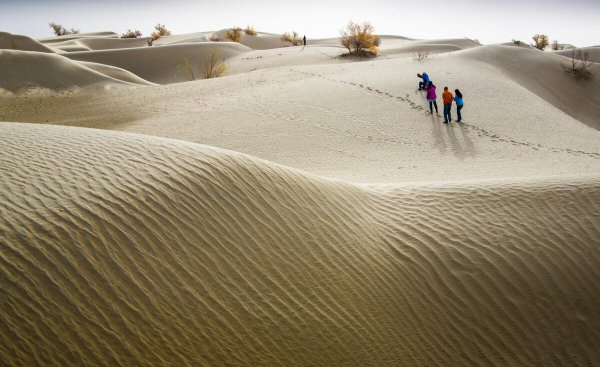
(59,30)
(211,66)
(556,46)
(131,34)
(579,66)
(540,41)
(421,56)
(214,38)
(360,40)
(234,34)
(160,30)
(291,38)
(519,43)
(250,31)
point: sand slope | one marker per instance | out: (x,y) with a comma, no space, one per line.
(15,42)
(25,69)
(160,64)
(131,250)
(543,74)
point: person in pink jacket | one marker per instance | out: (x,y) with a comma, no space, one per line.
(431,97)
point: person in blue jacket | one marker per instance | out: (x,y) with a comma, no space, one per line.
(425,82)
(458,98)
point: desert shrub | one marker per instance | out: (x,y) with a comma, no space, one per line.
(214,38)
(59,30)
(476,40)
(421,56)
(291,38)
(250,31)
(360,40)
(540,41)
(211,66)
(234,34)
(519,43)
(160,31)
(131,34)
(580,67)
(557,46)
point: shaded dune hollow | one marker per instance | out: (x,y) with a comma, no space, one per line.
(122,249)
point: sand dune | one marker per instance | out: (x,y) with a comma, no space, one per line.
(54,39)
(15,42)
(101,43)
(593,53)
(25,69)
(159,64)
(116,73)
(544,75)
(126,249)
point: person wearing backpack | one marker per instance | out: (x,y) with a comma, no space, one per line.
(458,99)
(447,98)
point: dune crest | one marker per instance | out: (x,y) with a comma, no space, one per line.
(122,249)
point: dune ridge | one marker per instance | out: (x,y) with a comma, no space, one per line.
(135,250)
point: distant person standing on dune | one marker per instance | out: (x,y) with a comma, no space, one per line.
(431,97)
(447,98)
(458,98)
(304,40)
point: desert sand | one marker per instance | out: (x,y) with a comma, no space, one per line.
(303,210)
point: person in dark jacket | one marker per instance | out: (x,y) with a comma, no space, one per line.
(304,40)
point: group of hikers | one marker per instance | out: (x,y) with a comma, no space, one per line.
(447,97)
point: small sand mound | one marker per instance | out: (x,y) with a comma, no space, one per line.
(123,249)
(23,43)
(24,69)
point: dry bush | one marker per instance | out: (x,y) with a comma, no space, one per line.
(234,34)
(59,30)
(250,31)
(360,40)
(291,38)
(540,41)
(476,40)
(580,66)
(131,34)
(557,46)
(215,38)
(421,56)
(160,31)
(211,66)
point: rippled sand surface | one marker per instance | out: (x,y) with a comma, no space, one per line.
(122,249)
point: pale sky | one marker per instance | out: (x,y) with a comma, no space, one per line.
(490,21)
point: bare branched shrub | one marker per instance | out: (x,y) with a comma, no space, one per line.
(131,34)
(250,31)
(160,31)
(580,66)
(421,56)
(477,41)
(234,34)
(59,30)
(214,38)
(360,40)
(291,38)
(557,46)
(540,41)
(213,66)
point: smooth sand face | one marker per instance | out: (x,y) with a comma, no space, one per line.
(470,244)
